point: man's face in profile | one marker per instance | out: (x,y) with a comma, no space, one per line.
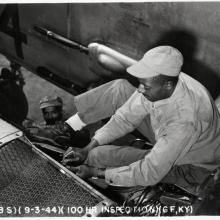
(151,89)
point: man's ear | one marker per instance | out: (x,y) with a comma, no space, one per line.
(168,85)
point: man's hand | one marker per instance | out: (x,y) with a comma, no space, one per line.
(74,156)
(83,171)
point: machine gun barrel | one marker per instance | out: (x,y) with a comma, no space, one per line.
(65,41)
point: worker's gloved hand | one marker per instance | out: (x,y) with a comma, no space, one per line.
(83,171)
(74,156)
(59,135)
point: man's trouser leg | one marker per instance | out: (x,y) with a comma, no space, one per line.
(102,102)
(186,176)
(114,156)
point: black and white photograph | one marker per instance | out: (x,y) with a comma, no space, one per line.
(109,108)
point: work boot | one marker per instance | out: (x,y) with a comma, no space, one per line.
(60,135)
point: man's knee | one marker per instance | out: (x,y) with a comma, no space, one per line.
(96,157)
(122,90)
(93,154)
(122,84)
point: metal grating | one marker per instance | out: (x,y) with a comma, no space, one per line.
(28,180)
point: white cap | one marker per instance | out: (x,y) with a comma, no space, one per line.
(162,60)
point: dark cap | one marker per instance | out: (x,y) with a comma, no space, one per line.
(48,101)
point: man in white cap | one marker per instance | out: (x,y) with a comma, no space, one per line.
(174,111)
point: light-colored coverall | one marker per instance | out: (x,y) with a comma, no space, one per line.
(185,131)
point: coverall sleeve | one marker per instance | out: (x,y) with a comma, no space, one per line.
(172,143)
(125,120)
